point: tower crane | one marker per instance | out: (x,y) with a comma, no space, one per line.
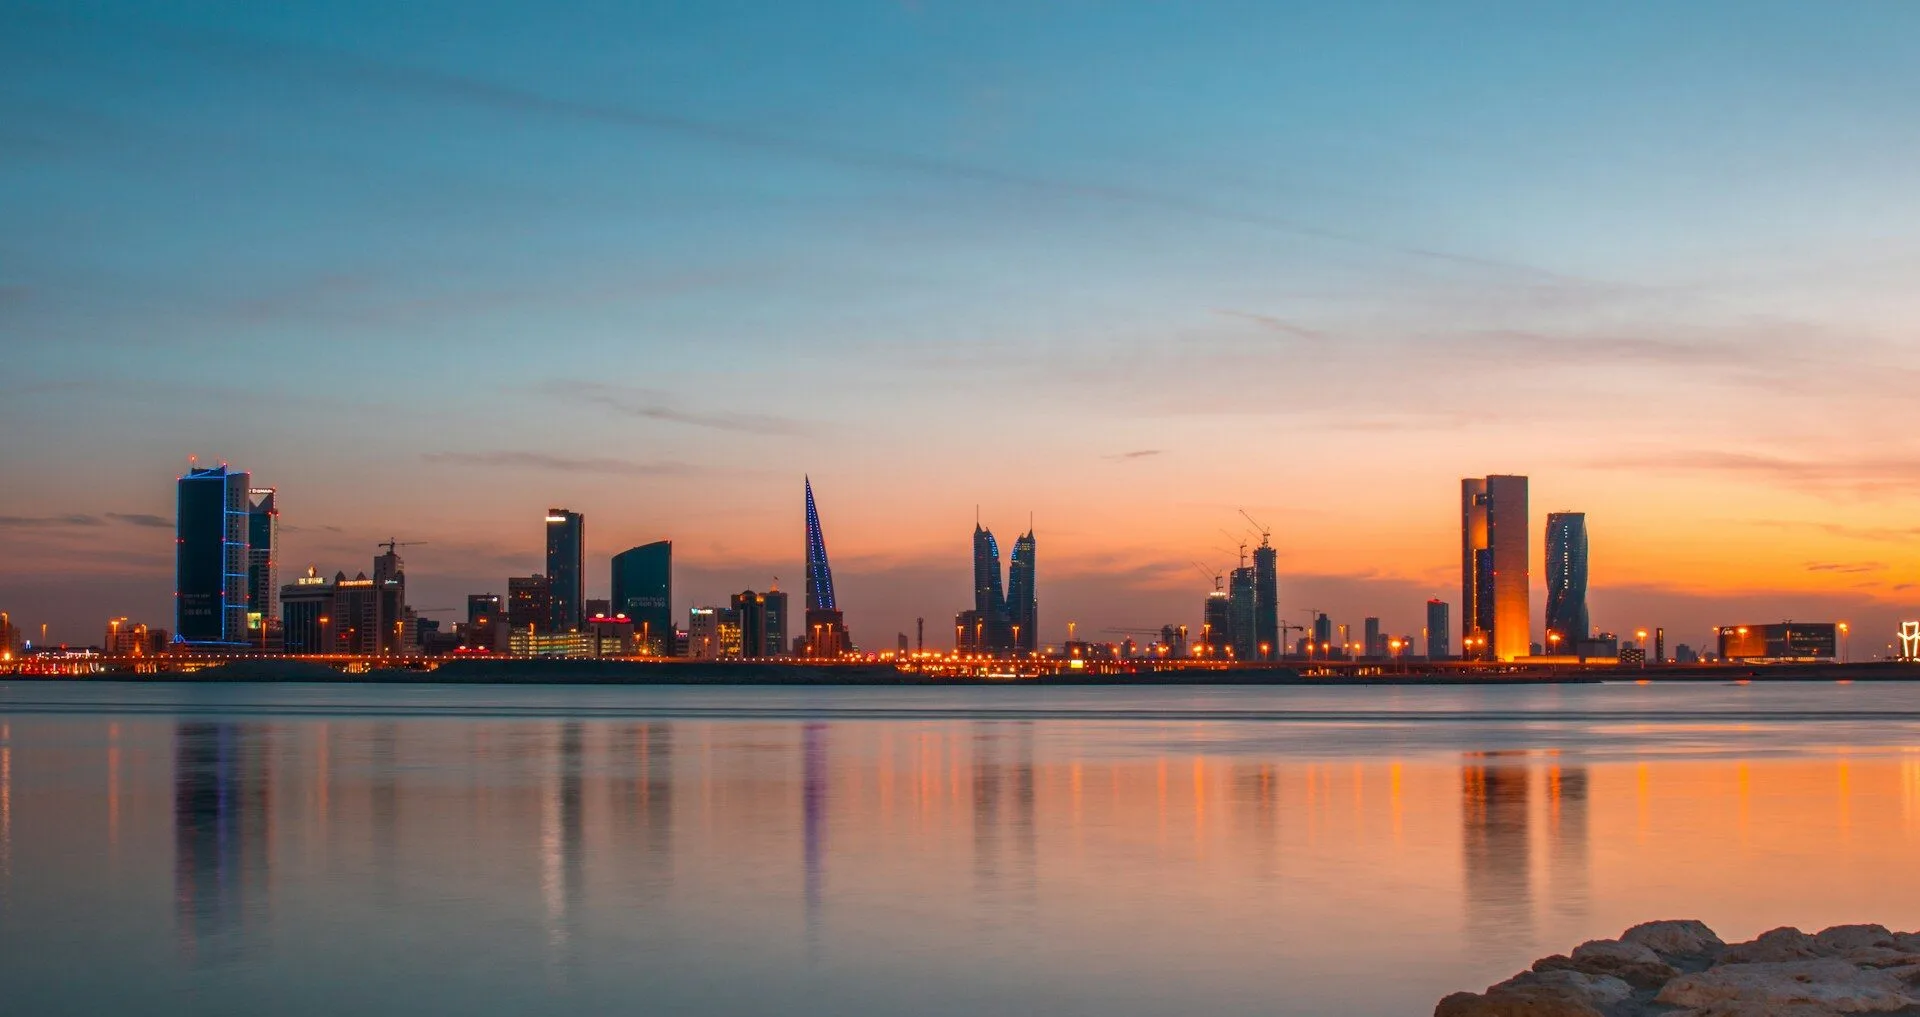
(391,544)
(1213,574)
(1266,532)
(1241,542)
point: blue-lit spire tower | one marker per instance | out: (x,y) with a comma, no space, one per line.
(826,633)
(819,572)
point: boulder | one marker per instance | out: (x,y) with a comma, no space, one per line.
(1598,991)
(1779,945)
(1827,982)
(1518,1001)
(1685,939)
(1632,963)
(1844,939)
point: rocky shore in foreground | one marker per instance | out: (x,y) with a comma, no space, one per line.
(1681,969)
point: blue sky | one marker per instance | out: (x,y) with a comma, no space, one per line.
(432,267)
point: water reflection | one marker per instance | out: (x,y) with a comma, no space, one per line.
(222,834)
(1495,849)
(1123,869)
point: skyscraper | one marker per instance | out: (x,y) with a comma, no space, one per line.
(819,571)
(390,602)
(1023,602)
(1496,621)
(643,591)
(1439,630)
(763,623)
(263,568)
(1266,600)
(1374,642)
(1567,580)
(1242,613)
(566,568)
(529,604)
(989,600)
(210,556)
(1217,618)
(826,632)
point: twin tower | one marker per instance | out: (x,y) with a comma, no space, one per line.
(1001,621)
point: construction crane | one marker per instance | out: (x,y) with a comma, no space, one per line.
(1213,574)
(1241,541)
(1286,628)
(391,544)
(1266,532)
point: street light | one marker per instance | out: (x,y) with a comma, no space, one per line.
(1844,641)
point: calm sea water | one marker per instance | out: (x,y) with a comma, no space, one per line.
(1113,852)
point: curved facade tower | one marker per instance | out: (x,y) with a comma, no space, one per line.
(1023,602)
(819,572)
(1567,578)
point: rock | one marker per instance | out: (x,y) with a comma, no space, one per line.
(1842,939)
(1599,991)
(1632,963)
(1518,1001)
(1682,939)
(1736,1009)
(1829,982)
(1784,944)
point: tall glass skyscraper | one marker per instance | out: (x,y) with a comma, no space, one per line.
(1567,579)
(643,591)
(210,587)
(1439,630)
(1023,602)
(566,568)
(1495,619)
(263,567)
(989,598)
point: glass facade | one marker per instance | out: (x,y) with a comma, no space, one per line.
(566,569)
(643,591)
(1567,579)
(1495,620)
(211,591)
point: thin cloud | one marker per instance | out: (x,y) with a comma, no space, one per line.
(332,66)
(1813,476)
(42,522)
(141,519)
(1145,453)
(1846,567)
(648,404)
(562,464)
(1268,321)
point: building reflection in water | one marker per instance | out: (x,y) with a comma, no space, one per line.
(222,829)
(813,805)
(1003,807)
(1494,840)
(1567,856)
(642,786)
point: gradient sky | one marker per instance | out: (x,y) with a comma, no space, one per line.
(432,268)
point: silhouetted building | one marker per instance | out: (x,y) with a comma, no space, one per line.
(1023,601)
(356,615)
(263,569)
(1496,622)
(566,569)
(210,557)
(1785,641)
(1323,632)
(1375,641)
(306,610)
(1266,600)
(763,623)
(486,623)
(390,587)
(1567,579)
(643,591)
(1242,609)
(529,604)
(969,632)
(1217,624)
(1439,630)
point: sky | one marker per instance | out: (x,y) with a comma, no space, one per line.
(1120,269)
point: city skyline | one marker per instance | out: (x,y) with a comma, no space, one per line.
(1181,599)
(1046,273)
